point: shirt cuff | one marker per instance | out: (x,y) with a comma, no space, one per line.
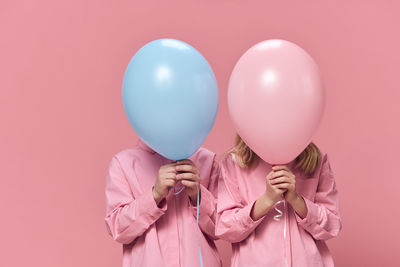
(149,207)
(247,221)
(207,202)
(312,211)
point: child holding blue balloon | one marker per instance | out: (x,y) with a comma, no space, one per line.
(156,226)
(160,194)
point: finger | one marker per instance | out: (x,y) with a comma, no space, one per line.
(282,186)
(280,167)
(281,191)
(282,179)
(187,176)
(169,182)
(279,174)
(184,161)
(170,169)
(169,175)
(186,168)
(190,184)
(269,175)
(171,164)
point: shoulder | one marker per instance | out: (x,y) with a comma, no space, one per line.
(125,156)
(204,157)
(229,162)
(204,152)
(324,160)
(325,169)
(324,156)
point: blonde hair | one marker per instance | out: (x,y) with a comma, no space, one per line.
(308,160)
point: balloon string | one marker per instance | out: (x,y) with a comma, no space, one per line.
(197,225)
(180,189)
(278,218)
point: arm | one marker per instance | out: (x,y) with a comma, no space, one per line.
(299,206)
(234,222)
(261,207)
(128,217)
(322,219)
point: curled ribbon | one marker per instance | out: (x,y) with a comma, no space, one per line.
(280,213)
(278,218)
(178,188)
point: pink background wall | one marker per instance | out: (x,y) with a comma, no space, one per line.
(61,68)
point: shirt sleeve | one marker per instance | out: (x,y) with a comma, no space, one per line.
(128,217)
(234,223)
(323,219)
(208,202)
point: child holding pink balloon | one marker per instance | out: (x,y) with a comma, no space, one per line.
(277,196)
(266,231)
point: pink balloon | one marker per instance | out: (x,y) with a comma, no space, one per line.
(276,99)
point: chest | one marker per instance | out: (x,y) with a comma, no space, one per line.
(252,183)
(143,171)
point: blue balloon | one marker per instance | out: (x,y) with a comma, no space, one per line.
(170,97)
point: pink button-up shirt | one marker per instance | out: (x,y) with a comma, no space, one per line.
(166,235)
(262,242)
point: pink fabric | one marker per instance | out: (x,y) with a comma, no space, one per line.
(165,236)
(261,242)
